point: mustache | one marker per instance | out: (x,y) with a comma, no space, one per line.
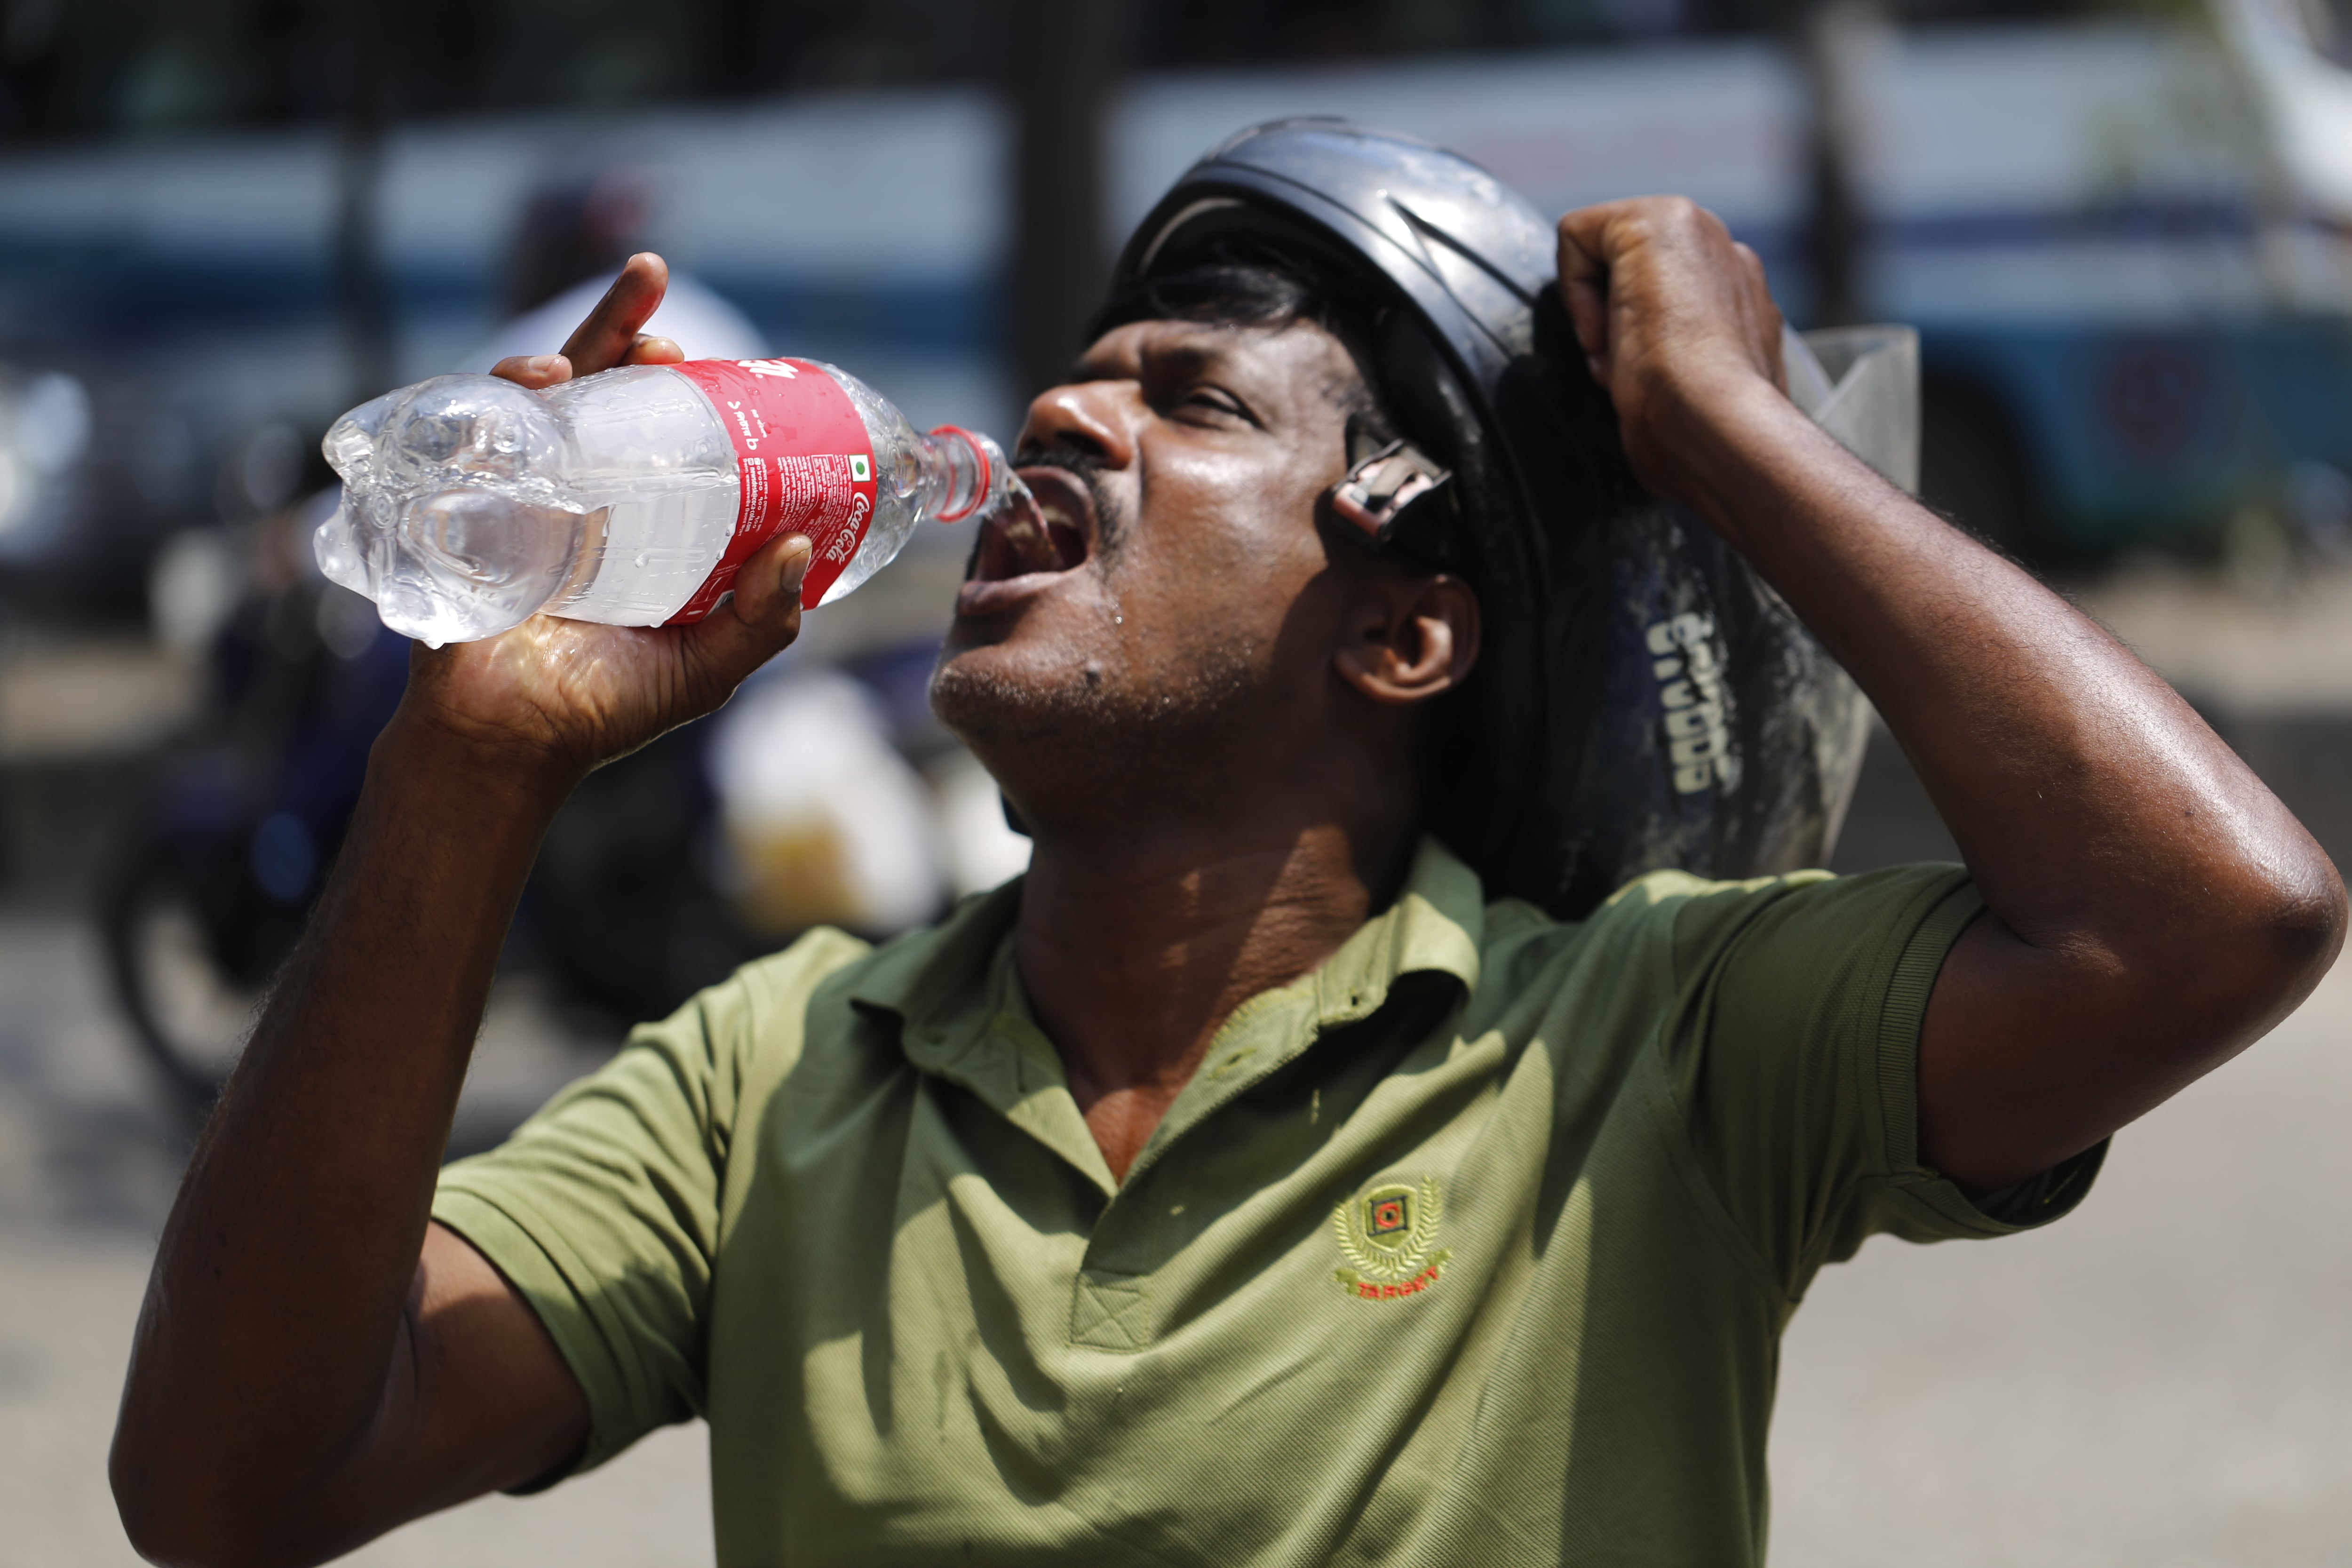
(1087,468)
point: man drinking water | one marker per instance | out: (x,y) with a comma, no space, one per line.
(1249,1183)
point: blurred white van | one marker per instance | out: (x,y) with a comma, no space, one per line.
(2127,241)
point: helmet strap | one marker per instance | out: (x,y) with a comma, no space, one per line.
(1393,490)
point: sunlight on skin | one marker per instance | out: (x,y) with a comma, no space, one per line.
(1084,420)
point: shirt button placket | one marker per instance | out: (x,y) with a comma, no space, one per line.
(1110,1311)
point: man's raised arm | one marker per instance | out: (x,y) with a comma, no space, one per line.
(2151,908)
(315,1362)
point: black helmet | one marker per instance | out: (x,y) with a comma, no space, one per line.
(1643,700)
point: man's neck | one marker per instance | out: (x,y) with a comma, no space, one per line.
(1134,954)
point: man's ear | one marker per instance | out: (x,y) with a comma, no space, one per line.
(1410,638)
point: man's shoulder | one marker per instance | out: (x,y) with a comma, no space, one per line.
(1678,918)
(792,973)
(1809,911)
(1653,905)
(1606,959)
(756,1022)
(807,996)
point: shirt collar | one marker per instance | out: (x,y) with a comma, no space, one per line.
(944,981)
(1435,925)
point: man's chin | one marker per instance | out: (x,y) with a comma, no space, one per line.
(982,689)
(1029,688)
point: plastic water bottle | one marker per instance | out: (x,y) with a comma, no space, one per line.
(632,496)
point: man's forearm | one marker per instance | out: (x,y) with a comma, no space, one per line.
(2066,770)
(275,1306)
(2156,907)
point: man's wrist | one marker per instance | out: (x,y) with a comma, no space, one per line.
(509,778)
(1732,435)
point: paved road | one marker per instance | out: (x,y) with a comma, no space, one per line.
(2159,1382)
(86,1172)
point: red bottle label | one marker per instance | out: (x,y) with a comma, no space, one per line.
(806,463)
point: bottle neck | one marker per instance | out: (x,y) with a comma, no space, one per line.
(963,476)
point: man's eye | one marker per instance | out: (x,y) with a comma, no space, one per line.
(1209,397)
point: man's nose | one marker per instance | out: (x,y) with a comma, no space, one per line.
(1089,415)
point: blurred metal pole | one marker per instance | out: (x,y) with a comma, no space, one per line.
(742,58)
(1839,46)
(363,299)
(1059,80)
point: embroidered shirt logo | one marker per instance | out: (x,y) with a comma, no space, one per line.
(1389,1236)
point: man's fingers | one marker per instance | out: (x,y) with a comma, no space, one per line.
(537,372)
(650,350)
(609,334)
(1584,279)
(1660,279)
(1588,311)
(768,589)
(1584,241)
(760,621)
(540,372)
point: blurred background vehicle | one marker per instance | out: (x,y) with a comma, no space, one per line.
(2121,228)
(2121,225)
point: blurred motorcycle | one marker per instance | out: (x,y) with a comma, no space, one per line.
(225,846)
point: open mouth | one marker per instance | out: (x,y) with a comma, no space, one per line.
(1029,544)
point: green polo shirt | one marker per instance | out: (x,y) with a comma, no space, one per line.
(1473,1246)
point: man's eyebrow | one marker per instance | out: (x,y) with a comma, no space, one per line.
(1205,348)
(1187,355)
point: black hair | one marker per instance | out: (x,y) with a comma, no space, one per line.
(1234,287)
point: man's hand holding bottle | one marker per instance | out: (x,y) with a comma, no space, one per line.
(559,697)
